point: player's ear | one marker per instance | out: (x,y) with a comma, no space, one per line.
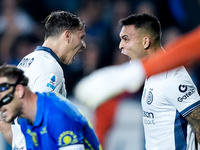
(146,42)
(20,89)
(67,35)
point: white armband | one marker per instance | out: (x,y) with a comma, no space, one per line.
(73,147)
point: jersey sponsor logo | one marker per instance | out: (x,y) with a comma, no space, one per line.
(149,121)
(189,91)
(51,82)
(149,99)
(182,88)
(67,138)
(33,136)
(148,114)
(148,118)
(26,62)
(44,130)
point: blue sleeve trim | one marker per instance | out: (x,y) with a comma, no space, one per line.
(189,109)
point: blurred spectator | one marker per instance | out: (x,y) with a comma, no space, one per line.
(146,6)
(119,9)
(85,63)
(170,33)
(185,13)
(67,5)
(98,28)
(22,46)
(90,58)
(13,22)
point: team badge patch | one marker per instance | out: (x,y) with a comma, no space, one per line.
(51,82)
(66,138)
(149,97)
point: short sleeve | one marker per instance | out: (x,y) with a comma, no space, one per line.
(182,93)
(72,128)
(48,79)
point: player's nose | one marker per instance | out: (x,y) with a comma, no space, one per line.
(120,45)
(83,45)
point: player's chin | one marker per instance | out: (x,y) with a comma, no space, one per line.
(130,58)
(9,119)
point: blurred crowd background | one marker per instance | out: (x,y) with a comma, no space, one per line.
(21,30)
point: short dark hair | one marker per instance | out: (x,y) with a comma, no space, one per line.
(13,73)
(148,22)
(59,21)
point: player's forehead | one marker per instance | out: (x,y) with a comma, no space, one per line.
(128,30)
(81,32)
(3,80)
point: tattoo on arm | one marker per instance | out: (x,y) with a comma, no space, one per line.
(194,119)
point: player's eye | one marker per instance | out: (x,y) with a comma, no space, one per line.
(4,87)
(126,39)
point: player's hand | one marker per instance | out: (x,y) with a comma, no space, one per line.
(108,82)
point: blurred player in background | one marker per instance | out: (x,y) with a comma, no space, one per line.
(64,38)
(171,94)
(48,120)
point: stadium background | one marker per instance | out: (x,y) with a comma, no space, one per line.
(21,30)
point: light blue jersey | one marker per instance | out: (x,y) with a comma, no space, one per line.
(58,124)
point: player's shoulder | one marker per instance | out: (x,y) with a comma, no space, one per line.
(63,105)
(45,61)
(178,76)
(178,72)
(40,63)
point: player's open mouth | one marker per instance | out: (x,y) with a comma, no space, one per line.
(80,51)
(76,54)
(126,55)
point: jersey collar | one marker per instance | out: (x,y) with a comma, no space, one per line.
(40,109)
(42,48)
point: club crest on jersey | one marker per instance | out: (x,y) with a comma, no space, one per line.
(51,82)
(67,138)
(149,99)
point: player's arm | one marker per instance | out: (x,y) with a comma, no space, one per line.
(182,51)
(62,130)
(194,119)
(48,80)
(108,82)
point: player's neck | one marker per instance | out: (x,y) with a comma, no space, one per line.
(29,107)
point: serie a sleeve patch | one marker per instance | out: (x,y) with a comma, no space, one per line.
(52,81)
